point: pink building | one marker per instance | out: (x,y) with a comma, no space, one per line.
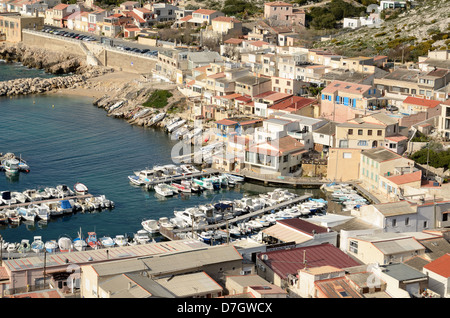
(277,10)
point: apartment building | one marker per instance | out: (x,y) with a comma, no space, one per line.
(342,101)
(444,120)
(381,162)
(12,24)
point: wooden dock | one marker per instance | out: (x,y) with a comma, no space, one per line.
(172,234)
(74,197)
(203,173)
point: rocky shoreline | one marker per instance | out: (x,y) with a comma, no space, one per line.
(132,90)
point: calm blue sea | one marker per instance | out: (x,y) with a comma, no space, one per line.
(67,140)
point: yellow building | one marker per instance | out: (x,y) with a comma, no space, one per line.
(12,24)
(343,164)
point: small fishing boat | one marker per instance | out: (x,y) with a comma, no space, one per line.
(163,189)
(4,218)
(120,240)
(80,188)
(19,196)
(64,191)
(25,246)
(11,165)
(13,216)
(157,118)
(182,187)
(65,244)
(92,240)
(42,211)
(12,247)
(64,206)
(142,237)
(150,226)
(78,243)
(26,214)
(107,241)
(51,246)
(38,245)
(136,180)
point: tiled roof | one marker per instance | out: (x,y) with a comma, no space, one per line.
(303,226)
(60,6)
(396,138)
(348,87)
(295,102)
(430,103)
(278,147)
(233,41)
(278,4)
(186,18)
(440,266)
(406,178)
(226,19)
(205,11)
(285,262)
(226,122)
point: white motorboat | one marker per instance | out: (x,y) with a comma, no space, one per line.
(211,214)
(19,196)
(42,212)
(205,184)
(52,192)
(150,226)
(64,191)
(80,188)
(32,195)
(64,206)
(157,118)
(51,246)
(165,223)
(136,180)
(185,188)
(120,240)
(7,198)
(163,189)
(65,244)
(107,241)
(234,178)
(254,225)
(175,125)
(38,245)
(11,165)
(142,237)
(12,247)
(192,216)
(26,214)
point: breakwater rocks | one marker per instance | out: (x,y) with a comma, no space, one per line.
(25,86)
(34,57)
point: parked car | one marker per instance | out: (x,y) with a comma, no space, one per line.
(391,108)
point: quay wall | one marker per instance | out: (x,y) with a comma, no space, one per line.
(106,55)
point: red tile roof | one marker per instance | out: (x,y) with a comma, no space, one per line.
(303,226)
(205,11)
(348,87)
(406,178)
(396,138)
(430,103)
(294,103)
(226,122)
(60,6)
(440,266)
(186,18)
(226,19)
(285,262)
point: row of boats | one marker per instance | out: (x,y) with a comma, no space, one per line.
(66,244)
(32,205)
(344,194)
(226,210)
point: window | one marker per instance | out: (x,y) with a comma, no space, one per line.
(347,155)
(394,222)
(379,132)
(369,132)
(360,132)
(353,247)
(362,143)
(407,221)
(350,132)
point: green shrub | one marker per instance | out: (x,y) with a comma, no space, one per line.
(158,99)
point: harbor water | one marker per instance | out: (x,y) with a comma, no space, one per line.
(65,139)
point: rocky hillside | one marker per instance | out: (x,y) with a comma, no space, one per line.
(412,33)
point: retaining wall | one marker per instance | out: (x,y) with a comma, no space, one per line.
(106,55)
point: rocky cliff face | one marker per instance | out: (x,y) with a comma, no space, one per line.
(51,62)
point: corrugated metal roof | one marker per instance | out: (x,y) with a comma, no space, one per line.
(284,262)
(400,245)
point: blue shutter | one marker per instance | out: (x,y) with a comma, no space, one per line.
(329,98)
(337,99)
(354,102)
(323,96)
(346,101)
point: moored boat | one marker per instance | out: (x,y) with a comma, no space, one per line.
(92,240)
(38,245)
(120,240)
(80,188)
(163,189)
(51,246)
(107,241)
(65,244)
(10,165)
(150,226)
